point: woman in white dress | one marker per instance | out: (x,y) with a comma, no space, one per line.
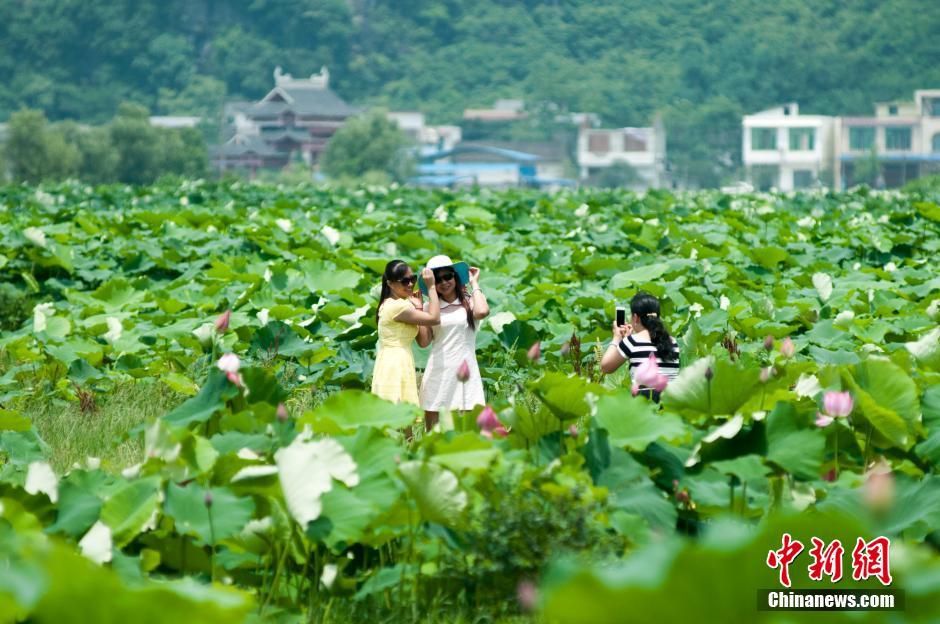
(453,342)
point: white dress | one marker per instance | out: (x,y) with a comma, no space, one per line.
(453,343)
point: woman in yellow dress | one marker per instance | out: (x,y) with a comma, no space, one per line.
(400,312)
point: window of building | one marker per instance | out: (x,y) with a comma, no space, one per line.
(935,144)
(892,110)
(932,106)
(803,178)
(802,139)
(633,143)
(897,138)
(861,139)
(599,142)
(763,139)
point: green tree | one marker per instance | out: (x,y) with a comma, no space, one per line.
(98,158)
(370,143)
(36,152)
(137,145)
(183,152)
(618,175)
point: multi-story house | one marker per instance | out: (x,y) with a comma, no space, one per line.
(900,143)
(785,150)
(642,149)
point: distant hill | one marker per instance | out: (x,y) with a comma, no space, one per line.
(701,63)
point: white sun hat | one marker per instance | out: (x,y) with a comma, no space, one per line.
(439,262)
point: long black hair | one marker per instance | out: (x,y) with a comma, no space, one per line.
(646,306)
(462,296)
(394,271)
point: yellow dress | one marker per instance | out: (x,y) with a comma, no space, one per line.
(393,377)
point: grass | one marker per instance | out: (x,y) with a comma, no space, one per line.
(74,434)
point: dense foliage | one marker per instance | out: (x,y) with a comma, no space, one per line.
(127,149)
(274,472)
(703,64)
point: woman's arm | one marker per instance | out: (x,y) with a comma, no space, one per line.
(424,336)
(423,318)
(613,358)
(481,308)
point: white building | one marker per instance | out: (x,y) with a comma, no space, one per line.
(786,150)
(643,149)
(900,143)
(430,138)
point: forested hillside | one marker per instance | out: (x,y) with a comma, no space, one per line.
(701,63)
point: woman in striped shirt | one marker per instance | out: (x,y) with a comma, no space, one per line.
(636,341)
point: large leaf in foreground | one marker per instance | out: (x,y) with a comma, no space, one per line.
(351,409)
(632,422)
(187,506)
(886,397)
(435,490)
(730,388)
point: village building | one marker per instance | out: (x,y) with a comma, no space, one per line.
(500,164)
(295,121)
(642,149)
(902,140)
(786,150)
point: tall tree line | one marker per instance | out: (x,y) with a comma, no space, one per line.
(701,63)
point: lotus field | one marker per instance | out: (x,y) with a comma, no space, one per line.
(162,460)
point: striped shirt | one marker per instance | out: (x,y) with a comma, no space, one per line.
(638,352)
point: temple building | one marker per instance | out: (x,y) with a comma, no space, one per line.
(292,123)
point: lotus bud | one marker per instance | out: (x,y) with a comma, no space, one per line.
(709,374)
(565,348)
(830,476)
(527,594)
(787,348)
(463,372)
(487,420)
(838,404)
(221,323)
(682,496)
(207,499)
(282,414)
(573,431)
(769,343)
(878,490)
(535,351)
(766,373)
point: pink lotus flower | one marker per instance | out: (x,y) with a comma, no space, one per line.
(573,431)
(878,490)
(787,348)
(488,422)
(229,364)
(647,374)
(838,403)
(221,323)
(282,414)
(528,596)
(535,351)
(766,373)
(463,372)
(769,342)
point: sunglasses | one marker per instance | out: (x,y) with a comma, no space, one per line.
(444,276)
(408,281)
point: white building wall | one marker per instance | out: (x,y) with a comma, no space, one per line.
(818,161)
